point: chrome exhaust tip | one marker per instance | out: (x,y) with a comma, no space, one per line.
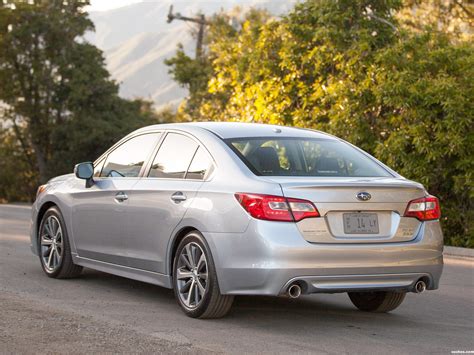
(420,286)
(294,291)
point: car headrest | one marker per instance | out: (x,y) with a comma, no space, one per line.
(326,165)
(266,160)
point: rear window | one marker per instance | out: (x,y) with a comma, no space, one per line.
(304,157)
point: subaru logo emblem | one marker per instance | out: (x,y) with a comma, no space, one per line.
(364,196)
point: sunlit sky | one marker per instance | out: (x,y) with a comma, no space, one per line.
(102,5)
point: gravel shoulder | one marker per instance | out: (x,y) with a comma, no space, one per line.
(28,327)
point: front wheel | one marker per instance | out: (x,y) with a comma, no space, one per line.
(54,248)
(381,302)
(195,280)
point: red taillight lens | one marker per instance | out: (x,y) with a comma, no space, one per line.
(272,208)
(276,208)
(425,209)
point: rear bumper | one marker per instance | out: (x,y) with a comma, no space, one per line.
(270,256)
(344,283)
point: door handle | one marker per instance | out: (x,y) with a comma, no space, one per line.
(121,196)
(178,197)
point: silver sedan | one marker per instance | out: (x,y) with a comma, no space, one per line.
(214,210)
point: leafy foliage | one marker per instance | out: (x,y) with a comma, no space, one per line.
(58,98)
(349,68)
(454,17)
(192,74)
(430,136)
(18,181)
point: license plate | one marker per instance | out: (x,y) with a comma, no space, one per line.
(360,223)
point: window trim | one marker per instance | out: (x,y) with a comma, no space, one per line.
(98,162)
(208,177)
(190,163)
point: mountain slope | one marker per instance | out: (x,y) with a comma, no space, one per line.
(136,40)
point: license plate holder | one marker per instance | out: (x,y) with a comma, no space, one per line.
(360,223)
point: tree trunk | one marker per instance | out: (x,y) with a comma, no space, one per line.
(41,162)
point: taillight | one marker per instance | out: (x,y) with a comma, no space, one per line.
(425,209)
(276,208)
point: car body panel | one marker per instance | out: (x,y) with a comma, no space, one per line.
(156,215)
(136,238)
(101,223)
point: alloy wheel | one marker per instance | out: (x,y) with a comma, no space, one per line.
(192,275)
(51,244)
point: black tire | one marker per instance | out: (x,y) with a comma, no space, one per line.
(380,302)
(65,269)
(212,304)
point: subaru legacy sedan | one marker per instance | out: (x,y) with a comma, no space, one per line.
(214,210)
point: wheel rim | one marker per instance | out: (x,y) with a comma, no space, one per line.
(191,275)
(51,243)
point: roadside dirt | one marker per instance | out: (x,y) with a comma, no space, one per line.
(33,328)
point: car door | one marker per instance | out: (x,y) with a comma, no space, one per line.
(100,216)
(159,201)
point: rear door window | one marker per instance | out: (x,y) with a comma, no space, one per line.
(174,157)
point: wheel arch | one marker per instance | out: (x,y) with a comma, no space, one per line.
(44,207)
(41,212)
(178,237)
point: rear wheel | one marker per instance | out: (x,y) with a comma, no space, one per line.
(381,302)
(195,280)
(54,248)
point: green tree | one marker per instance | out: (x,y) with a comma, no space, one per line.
(59,101)
(426,86)
(453,17)
(310,69)
(18,181)
(192,74)
(195,73)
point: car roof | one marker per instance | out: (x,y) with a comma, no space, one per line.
(227,130)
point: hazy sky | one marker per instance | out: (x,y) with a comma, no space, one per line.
(101,5)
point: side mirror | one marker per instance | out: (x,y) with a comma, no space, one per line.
(85,171)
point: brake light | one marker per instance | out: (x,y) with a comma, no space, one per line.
(276,208)
(425,209)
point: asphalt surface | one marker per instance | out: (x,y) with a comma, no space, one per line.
(103,313)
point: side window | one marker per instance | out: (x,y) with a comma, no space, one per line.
(173,157)
(98,168)
(128,159)
(200,166)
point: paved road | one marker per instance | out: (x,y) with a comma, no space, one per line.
(104,313)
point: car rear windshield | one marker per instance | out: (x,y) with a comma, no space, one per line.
(304,157)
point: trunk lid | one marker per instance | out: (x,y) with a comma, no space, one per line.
(376,216)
